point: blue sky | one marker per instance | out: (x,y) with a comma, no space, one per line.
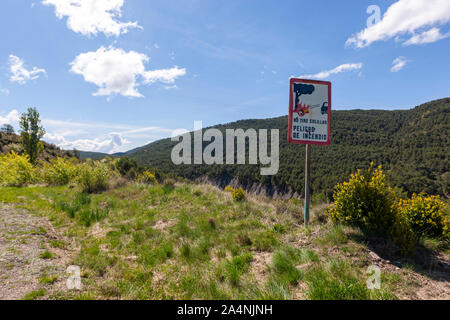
(111,75)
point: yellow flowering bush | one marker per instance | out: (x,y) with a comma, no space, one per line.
(368,202)
(364,201)
(147,177)
(59,171)
(94,176)
(238,194)
(426,214)
(16,170)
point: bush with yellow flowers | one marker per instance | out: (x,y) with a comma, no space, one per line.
(16,170)
(59,171)
(368,202)
(94,176)
(365,201)
(147,177)
(426,214)
(238,194)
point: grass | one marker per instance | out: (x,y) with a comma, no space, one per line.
(46,255)
(236,267)
(335,236)
(337,280)
(189,241)
(48,279)
(35,294)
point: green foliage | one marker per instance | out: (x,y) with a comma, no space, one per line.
(403,235)
(59,171)
(92,215)
(81,199)
(412,145)
(334,237)
(15,170)
(264,240)
(92,257)
(127,167)
(94,176)
(46,255)
(426,214)
(48,279)
(147,177)
(237,266)
(7,128)
(284,266)
(319,198)
(35,294)
(335,281)
(31,132)
(365,201)
(238,194)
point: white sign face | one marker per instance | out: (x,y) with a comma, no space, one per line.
(309,112)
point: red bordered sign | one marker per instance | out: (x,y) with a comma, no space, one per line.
(309,112)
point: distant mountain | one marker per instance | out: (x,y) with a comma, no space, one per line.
(412,145)
(93,155)
(100,155)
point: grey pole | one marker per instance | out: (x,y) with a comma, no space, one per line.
(307,182)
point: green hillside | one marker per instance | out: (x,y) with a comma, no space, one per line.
(93,155)
(412,145)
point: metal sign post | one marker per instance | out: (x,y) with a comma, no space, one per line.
(307,182)
(309,121)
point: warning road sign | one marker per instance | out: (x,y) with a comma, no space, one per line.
(309,112)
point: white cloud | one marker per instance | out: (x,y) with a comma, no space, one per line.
(92,136)
(115,71)
(90,17)
(429,36)
(163,75)
(170,87)
(11,118)
(399,63)
(19,73)
(407,17)
(110,144)
(342,68)
(4,91)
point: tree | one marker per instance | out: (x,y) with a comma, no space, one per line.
(31,132)
(8,129)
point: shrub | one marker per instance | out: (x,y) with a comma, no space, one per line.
(403,235)
(59,171)
(319,198)
(365,201)
(16,170)
(127,167)
(147,177)
(426,215)
(238,194)
(94,176)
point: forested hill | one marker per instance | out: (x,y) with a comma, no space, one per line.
(412,145)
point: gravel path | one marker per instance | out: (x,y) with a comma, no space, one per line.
(23,239)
